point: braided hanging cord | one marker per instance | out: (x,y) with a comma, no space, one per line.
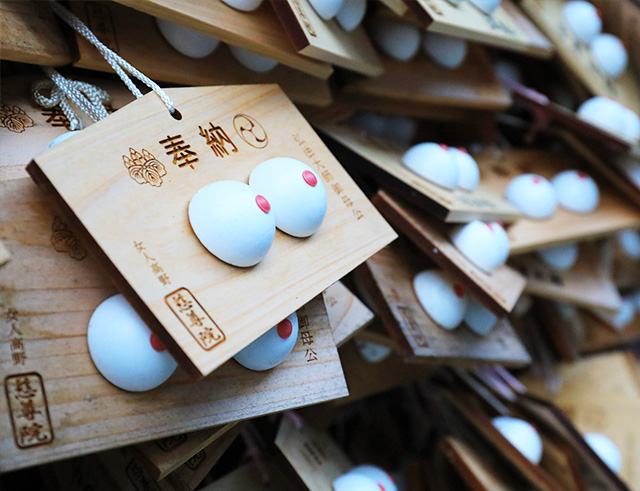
(86,96)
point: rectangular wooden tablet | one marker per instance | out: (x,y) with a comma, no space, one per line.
(135,36)
(421,83)
(49,290)
(149,168)
(347,314)
(505,28)
(576,55)
(31,33)
(383,162)
(389,275)
(327,41)
(499,290)
(498,167)
(258,31)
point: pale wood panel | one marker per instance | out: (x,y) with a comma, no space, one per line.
(498,290)
(48,296)
(422,83)
(587,284)
(97,192)
(547,14)
(33,127)
(498,167)
(347,314)
(258,31)
(384,163)
(505,28)
(5,255)
(162,457)
(30,33)
(325,40)
(135,36)
(389,277)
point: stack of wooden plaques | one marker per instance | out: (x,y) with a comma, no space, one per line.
(374,387)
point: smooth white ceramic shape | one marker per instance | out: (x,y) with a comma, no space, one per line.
(479,318)
(485,244)
(487,6)
(604,448)
(609,54)
(533,195)
(582,19)
(327,9)
(354,482)
(253,61)
(378,475)
(400,129)
(604,113)
(468,170)
(446,51)
(560,258)
(60,138)
(123,348)
(631,125)
(395,38)
(351,14)
(507,69)
(522,435)
(629,242)
(296,193)
(187,41)
(625,314)
(233,221)
(576,191)
(444,300)
(372,352)
(272,348)
(432,162)
(244,5)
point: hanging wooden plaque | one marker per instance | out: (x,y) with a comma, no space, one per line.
(389,276)
(383,162)
(347,314)
(547,14)
(498,290)
(134,36)
(258,31)
(327,41)
(151,252)
(507,27)
(48,292)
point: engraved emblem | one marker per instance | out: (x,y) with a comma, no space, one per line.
(14,119)
(251,132)
(63,240)
(28,410)
(144,168)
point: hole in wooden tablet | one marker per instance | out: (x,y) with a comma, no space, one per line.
(176,114)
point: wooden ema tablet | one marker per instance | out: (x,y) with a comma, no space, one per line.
(604,165)
(26,128)
(162,457)
(498,167)
(473,470)
(230,130)
(389,275)
(258,31)
(561,464)
(47,299)
(135,36)
(505,28)
(599,336)
(537,476)
(544,108)
(587,284)
(383,162)
(327,41)
(498,290)
(423,83)
(312,453)
(347,314)
(547,14)
(30,33)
